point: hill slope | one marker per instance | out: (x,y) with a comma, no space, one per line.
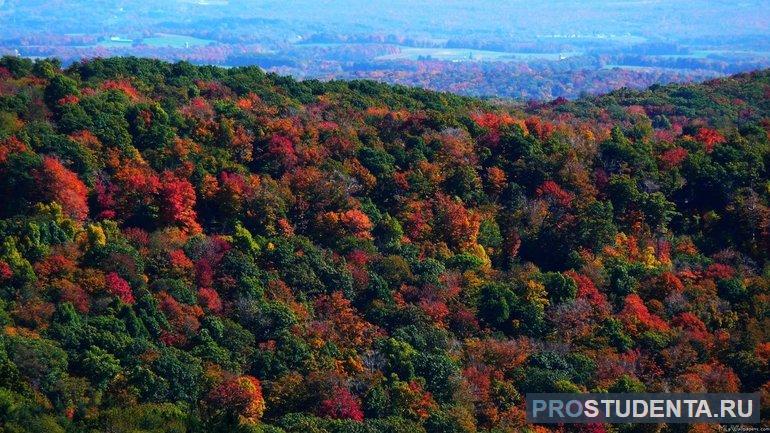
(199,249)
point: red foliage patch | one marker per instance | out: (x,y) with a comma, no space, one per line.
(636,315)
(75,295)
(720,271)
(178,202)
(586,289)
(282,149)
(68,100)
(673,157)
(710,138)
(119,287)
(10,146)
(210,300)
(342,404)
(5,271)
(124,86)
(241,395)
(552,190)
(539,128)
(693,327)
(64,187)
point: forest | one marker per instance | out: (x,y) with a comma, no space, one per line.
(199,249)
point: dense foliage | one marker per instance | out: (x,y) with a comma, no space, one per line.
(200,249)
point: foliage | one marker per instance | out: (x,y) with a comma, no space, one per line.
(200,249)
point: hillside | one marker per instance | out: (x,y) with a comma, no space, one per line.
(214,250)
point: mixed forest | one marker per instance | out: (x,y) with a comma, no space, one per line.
(197,249)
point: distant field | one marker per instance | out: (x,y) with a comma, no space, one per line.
(465,54)
(704,54)
(658,69)
(159,40)
(457,54)
(175,41)
(626,38)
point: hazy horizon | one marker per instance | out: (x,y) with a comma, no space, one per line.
(537,50)
(648,18)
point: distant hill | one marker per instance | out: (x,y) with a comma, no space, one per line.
(479,48)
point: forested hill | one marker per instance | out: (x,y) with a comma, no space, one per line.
(194,249)
(738,101)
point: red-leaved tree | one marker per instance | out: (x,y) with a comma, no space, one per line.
(178,202)
(119,287)
(239,397)
(342,404)
(59,184)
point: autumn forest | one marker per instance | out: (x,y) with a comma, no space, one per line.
(199,249)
